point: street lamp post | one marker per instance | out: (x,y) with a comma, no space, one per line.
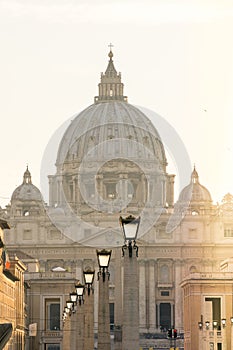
(67,325)
(207,326)
(79,317)
(231,332)
(89,310)
(130,329)
(200,326)
(103,257)
(70,307)
(223,331)
(215,328)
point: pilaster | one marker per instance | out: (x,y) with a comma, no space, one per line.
(151,301)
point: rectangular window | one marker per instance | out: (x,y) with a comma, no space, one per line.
(228,231)
(52,316)
(111,313)
(161,233)
(52,347)
(192,233)
(164,293)
(215,309)
(27,235)
(54,234)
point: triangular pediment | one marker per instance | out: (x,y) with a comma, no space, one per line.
(104,238)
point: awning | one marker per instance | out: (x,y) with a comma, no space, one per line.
(4,224)
(10,275)
(5,333)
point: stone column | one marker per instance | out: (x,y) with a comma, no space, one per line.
(178,295)
(152,310)
(73,330)
(201,339)
(170,189)
(59,191)
(89,321)
(142,295)
(96,301)
(74,191)
(51,190)
(224,338)
(215,339)
(231,336)
(207,339)
(79,321)
(103,313)
(118,300)
(130,334)
(67,333)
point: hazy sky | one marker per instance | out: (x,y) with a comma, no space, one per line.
(176,58)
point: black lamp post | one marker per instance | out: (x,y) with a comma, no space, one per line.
(69,305)
(223,321)
(103,257)
(79,290)
(130,327)
(88,275)
(130,226)
(66,311)
(88,279)
(73,297)
(79,317)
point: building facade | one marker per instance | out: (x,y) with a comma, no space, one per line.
(111,162)
(208,303)
(12,298)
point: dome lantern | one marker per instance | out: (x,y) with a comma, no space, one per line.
(194,176)
(27,179)
(110,86)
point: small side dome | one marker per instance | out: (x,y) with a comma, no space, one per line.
(195,192)
(27,191)
(227,205)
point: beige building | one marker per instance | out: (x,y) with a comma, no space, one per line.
(111,162)
(12,298)
(208,309)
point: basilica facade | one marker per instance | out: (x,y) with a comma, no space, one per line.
(110,162)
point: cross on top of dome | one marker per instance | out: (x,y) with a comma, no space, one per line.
(110,55)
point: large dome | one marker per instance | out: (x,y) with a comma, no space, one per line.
(110,129)
(116,123)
